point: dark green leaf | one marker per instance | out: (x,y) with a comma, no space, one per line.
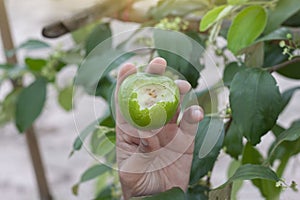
(210,17)
(182,55)
(208,142)
(35,64)
(230,70)
(233,141)
(291,70)
(250,172)
(105,88)
(30,103)
(267,188)
(277,130)
(99,35)
(278,34)
(255,102)
(208,101)
(283,10)
(287,95)
(65,98)
(291,134)
(172,194)
(273,54)
(293,20)
(197,192)
(246,27)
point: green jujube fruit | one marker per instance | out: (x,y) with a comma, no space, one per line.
(148,101)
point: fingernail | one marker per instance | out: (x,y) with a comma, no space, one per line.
(144,142)
(197,114)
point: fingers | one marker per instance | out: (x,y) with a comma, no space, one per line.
(190,119)
(157,66)
(126,70)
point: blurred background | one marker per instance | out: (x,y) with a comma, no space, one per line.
(56,129)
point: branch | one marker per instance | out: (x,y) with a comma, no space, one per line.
(282,65)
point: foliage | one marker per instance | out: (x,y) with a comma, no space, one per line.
(262,42)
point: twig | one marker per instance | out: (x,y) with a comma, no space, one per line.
(282,65)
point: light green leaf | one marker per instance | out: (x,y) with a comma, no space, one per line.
(255,101)
(35,64)
(250,172)
(246,27)
(65,98)
(237,2)
(283,10)
(30,104)
(89,174)
(34,44)
(8,107)
(210,17)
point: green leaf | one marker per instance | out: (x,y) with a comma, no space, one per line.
(35,64)
(208,142)
(273,54)
(106,193)
(176,8)
(278,34)
(98,65)
(221,193)
(89,174)
(65,98)
(30,103)
(230,70)
(182,55)
(88,130)
(291,70)
(197,192)
(250,172)
(287,95)
(210,17)
(246,27)
(291,134)
(99,34)
(172,194)
(254,55)
(208,100)
(233,141)
(293,21)
(34,44)
(267,188)
(8,107)
(255,102)
(283,10)
(236,185)
(237,2)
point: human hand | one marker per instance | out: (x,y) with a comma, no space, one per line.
(154,161)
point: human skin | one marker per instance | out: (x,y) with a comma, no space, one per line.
(151,162)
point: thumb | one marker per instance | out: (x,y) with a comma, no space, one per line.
(190,119)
